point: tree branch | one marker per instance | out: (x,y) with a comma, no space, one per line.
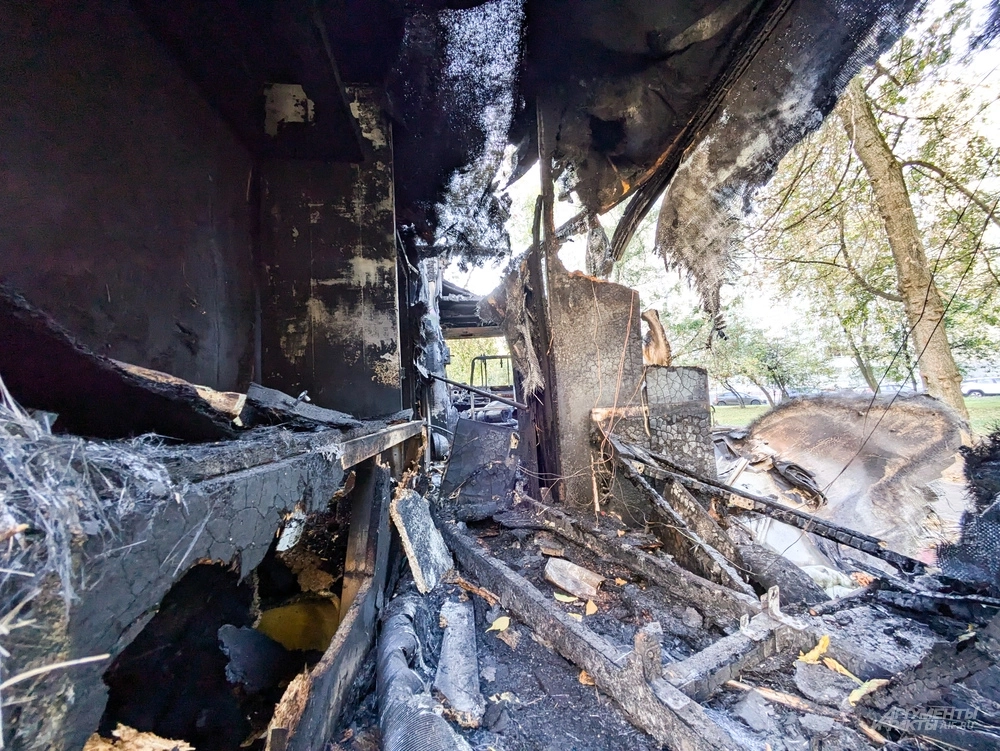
(954,183)
(854,272)
(881,70)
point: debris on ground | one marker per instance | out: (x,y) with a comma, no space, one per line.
(813,663)
(425,550)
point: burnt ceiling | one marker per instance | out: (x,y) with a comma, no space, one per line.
(630,89)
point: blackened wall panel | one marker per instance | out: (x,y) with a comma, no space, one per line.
(330,322)
(123,196)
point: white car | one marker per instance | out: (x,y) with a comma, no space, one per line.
(981,387)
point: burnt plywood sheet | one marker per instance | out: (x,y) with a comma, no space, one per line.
(46,368)
(425,549)
(330,312)
(482,463)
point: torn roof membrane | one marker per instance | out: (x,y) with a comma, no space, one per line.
(632,86)
(699,99)
(786,91)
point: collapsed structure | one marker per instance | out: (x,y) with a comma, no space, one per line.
(222,345)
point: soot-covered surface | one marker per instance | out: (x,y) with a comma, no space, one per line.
(535,700)
(627,88)
(197,671)
(46,368)
(172,679)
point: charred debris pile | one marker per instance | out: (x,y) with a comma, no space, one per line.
(808,583)
(313,550)
(206,568)
(599,566)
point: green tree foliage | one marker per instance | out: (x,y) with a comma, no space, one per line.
(464,350)
(747,353)
(774,364)
(818,232)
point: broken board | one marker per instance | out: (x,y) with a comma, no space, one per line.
(425,549)
(482,464)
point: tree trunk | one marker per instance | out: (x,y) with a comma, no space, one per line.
(921,299)
(767,392)
(866,369)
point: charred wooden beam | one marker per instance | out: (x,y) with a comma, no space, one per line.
(472,332)
(701,674)
(727,606)
(633,678)
(265,445)
(308,712)
(652,465)
(686,545)
(358,449)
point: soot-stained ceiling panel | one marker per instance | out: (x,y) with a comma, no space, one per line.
(628,87)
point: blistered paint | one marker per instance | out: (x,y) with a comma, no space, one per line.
(285,103)
(385,370)
(353,322)
(365,272)
(370,128)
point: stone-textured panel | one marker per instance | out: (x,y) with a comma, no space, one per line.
(680,421)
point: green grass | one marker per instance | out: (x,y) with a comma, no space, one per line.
(984,413)
(737,417)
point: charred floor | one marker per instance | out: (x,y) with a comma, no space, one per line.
(243,506)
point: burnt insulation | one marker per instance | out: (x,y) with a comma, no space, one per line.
(453,93)
(973,557)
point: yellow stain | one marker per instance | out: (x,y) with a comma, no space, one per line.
(309,624)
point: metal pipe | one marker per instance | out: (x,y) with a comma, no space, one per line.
(474,390)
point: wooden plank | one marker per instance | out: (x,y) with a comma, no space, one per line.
(425,550)
(229,403)
(366,515)
(698,518)
(633,679)
(576,580)
(701,674)
(472,332)
(727,606)
(307,714)
(684,543)
(356,450)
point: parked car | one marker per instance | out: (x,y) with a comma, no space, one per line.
(902,389)
(981,387)
(801,392)
(736,399)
